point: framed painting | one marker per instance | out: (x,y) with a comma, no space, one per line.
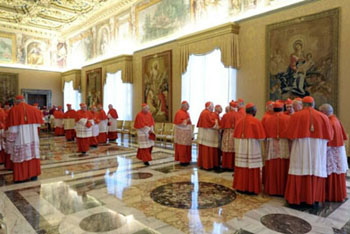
(156,84)
(94,87)
(302,58)
(7,48)
(8,87)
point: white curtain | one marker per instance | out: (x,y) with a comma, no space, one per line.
(118,94)
(206,79)
(71,96)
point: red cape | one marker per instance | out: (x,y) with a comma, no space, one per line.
(2,118)
(276,124)
(58,114)
(230,119)
(339,134)
(24,114)
(71,114)
(300,125)
(143,120)
(180,116)
(206,119)
(83,114)
(96,116)
(249,127)
(102,115)
(113,113)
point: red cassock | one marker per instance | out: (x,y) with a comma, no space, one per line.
(228,122)
(102,136)
(208,155)
(23,141)
(70,133)
(143,122)
(94,139)
(59,115)
(112,129)
(275,171)
(248,133)
(336,163)
(183,137)
(83,132)
(310,130)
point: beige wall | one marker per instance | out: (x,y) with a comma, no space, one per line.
(251,76)
(35,79)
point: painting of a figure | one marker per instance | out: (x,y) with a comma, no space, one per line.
(302,58)
(209,9)
(94,87)
(156,19)
(7,48)
(157,85)
(8,87)
(35,53)
(61,54)
(103,40)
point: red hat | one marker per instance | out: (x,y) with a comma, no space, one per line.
(249,105)
(308,99)
(269,102)
(233,104)
(69,104)
(144,105)
(19,97)
(184,102)
(297,99)
(207,104)
(59,107)
(278,105)
(288,101)
(82,105)
(240,100)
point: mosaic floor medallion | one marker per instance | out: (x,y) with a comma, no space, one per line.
(284,223)
(186,195)
(140,175)
(102,222)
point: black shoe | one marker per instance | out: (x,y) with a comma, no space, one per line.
(93,146)
(184,164)
(146,163)
(34,178)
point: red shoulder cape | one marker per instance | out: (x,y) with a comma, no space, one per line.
(24,114)
(249,127)
(143,120)
(180,116)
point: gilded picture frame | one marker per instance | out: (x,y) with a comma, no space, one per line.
(302,58)
(7,48)
(94,92)
(157,85)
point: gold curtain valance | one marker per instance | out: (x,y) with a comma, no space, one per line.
(224,37)
(123,63)
(73,75)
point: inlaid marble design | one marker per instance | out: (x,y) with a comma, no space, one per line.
(102,222)
(284,223)
(174,168)
(320,209)
(181,194)
(140,175)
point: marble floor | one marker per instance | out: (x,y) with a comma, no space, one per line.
(110,191)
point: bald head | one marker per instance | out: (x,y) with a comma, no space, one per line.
(185,106)
(326,109)
(227,109)
(297,105)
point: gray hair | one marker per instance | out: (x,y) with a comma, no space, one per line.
(326,108)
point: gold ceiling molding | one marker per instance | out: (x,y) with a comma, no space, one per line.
(117,7)
(56,15)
